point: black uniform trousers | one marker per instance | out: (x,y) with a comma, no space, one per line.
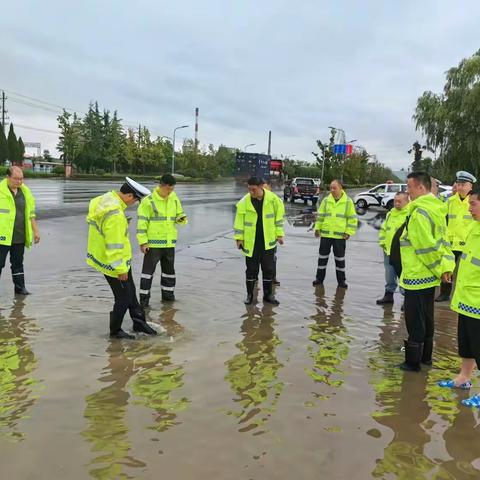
(260,258)
(419,320)
(17,251)
(338,245)
(166,257)
(125,299)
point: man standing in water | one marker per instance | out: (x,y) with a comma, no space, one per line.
(110,252)
(258,228)
(158,217)
(18,227)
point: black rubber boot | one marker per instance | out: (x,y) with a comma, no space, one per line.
(427,351)
(142,326)
(116,328)
(168,296)
(267,293)
(387,298)
(250,284)
(144,300)
(413,356)
(445,291)
(276,282)
(342,285)
(19,282)
(317,282)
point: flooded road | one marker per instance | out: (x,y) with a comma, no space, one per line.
(304,390)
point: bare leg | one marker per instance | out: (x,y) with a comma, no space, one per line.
(468,365)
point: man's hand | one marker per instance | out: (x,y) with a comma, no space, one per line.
(239,244)
(123,277)
(144,248)
(36,237)
(447,277)
(280,240)
(317,233)
(346,236)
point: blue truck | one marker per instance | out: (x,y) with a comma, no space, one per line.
(252,164)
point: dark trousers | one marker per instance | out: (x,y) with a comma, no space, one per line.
(338,245)
(166,257)
(275,263)
(446,288)
(17,251)
(125,299)
(419,305)
(260,258)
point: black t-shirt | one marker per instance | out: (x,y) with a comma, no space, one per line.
(259,238)
(19,226)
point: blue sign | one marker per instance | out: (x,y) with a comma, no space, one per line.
(340,149)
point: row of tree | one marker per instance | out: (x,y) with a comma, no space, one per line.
(99,143)
(11,148)
(450,122)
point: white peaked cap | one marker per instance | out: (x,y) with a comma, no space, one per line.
(140,190)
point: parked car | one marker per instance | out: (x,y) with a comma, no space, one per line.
(388,198)
(374,196)
(303,188)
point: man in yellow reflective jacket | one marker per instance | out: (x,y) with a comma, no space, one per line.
(336,223)
(426,257)
(109,251)
(18,227)
(459,222)
(158,217)
(395,218)
(258,228)
(466,302)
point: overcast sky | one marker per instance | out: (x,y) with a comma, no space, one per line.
(250,66)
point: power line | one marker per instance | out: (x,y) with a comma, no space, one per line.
(28,127)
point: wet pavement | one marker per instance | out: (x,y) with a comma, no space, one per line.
(304,390)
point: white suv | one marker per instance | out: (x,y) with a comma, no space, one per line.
(444,191)
(374,196)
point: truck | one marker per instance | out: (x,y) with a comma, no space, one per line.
(252,164)
(301,188)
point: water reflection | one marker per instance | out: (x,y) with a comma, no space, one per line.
(18,386)
(330,340)
(253,373)
(105,413)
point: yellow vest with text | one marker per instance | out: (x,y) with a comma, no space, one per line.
(245,226)
(336,218)
(459,221)
(394,220)
(424,249)
(466,299)
(109,250)
(157,220)
(7,214)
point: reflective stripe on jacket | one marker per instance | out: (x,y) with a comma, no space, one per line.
(109,250)
(424,250)
(245,225)
(157,220)
(466,299)
(336,218)
(7,214)
(459,221)
(394,220)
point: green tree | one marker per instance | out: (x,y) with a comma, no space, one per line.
(21,150)
(12,145)
(70,139)
(450,121)
(3,147)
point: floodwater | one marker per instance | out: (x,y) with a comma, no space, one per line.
(305,390)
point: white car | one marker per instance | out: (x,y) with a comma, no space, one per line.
(374,196)
(387,201)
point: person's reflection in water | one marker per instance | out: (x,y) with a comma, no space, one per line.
(105,413)
(402,407)
(18,386)
(167,320)
(253,372)
(156,378)
(330,340)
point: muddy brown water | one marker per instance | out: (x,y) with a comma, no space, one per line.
(305,390)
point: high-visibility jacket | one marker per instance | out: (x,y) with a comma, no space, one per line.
(394,220)
(424,249)
(459,221)
(466,299)
(245,226)
(157,220)
(336,218)
(109,250)
(8,211)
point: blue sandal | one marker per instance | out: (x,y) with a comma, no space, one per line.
(472,401)
(451,384)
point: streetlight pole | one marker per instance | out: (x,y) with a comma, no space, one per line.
(249,145)
(173,153)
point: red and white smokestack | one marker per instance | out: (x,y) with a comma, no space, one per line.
(196,128)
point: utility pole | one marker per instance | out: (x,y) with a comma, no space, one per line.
(269,142)
(4,112)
